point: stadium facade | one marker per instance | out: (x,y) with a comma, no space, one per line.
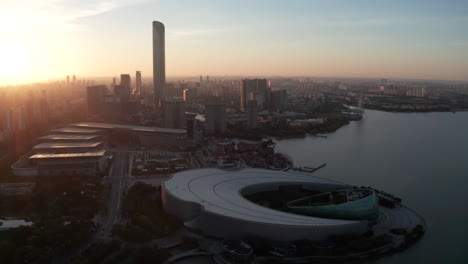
(214,202)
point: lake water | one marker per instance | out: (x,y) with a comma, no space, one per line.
(419,157)
(13,223)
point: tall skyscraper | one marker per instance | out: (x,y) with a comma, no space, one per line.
(138,83)
(159,63)
(68,80)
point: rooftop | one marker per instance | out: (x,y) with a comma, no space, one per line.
(57,145)
(128,127)
(89,154)
(212,188)
(76,130)
(67,137)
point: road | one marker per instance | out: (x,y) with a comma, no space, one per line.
(118,180)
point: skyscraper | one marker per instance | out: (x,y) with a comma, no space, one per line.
(277,100)
(255,86)
(173,113)
(159,63)
(125,80)
(138,83)
(124,89)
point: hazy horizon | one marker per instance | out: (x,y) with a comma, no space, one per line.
(170,78)
(417,40)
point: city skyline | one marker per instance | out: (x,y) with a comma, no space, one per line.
(388,39)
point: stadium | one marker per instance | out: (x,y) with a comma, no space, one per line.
(276,205)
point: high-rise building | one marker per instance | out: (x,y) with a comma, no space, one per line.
(252,114)
(113,108)
(138,83)
(95,96)
(256,86)
(215,118)
(173,113)
(189,94)
(159,63)
(191,124)
(74,80)
(68,80)
(125,82)
(277,101)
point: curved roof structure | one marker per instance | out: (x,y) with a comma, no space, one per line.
(202,195)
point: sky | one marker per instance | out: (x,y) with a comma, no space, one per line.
(417,39)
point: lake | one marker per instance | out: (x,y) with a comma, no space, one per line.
(13,223)
(419,157)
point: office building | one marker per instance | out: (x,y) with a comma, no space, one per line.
(95,96)
(159,63)
(258,87)
(138,83)
(125,89)
(113,107)
(215,118)
(189,94)
(277,100)
(173,113)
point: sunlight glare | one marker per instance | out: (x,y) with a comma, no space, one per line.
(14,61)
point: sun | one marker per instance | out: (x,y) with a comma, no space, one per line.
(14,61)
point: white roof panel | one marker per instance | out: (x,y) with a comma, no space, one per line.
(219,192)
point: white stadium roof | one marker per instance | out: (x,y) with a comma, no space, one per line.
(219,193)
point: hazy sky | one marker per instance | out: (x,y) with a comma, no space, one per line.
(43,39)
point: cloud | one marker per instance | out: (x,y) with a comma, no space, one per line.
(393,21)
(191,32)
(23,16)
